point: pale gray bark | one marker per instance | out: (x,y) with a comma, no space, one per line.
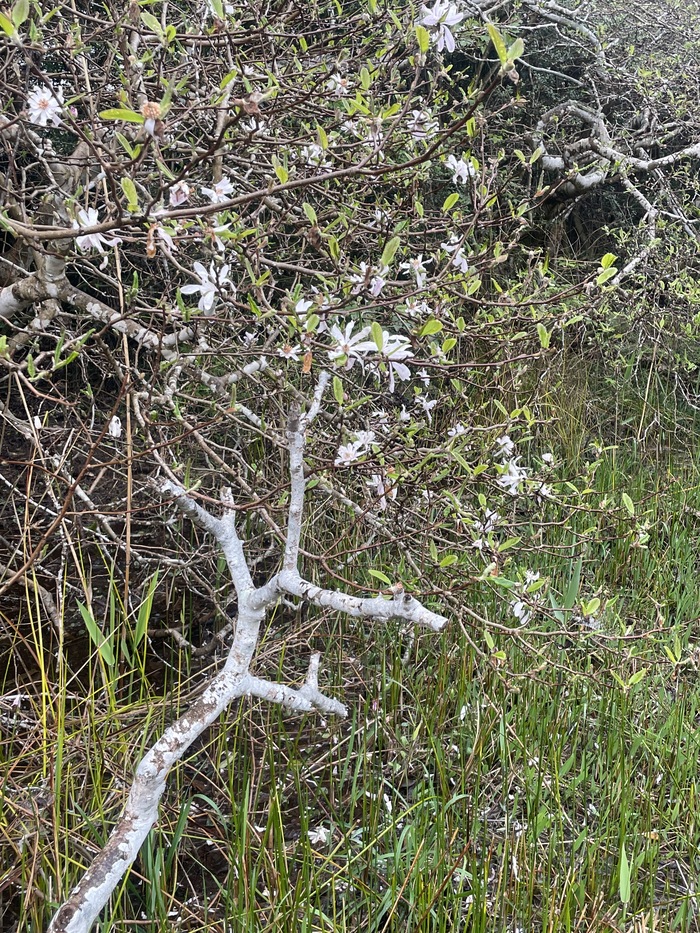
(87,900)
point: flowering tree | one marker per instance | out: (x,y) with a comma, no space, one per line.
(243,241)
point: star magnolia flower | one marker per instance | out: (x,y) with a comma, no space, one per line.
(220,191)
(288,352)
(378,282)
(416,267)
(422,124)
(459,260)
(347,345)
(179,193)
(314,155)
(511,479)
(339,85)
(427,405)
(44,106)
(383,488)
(209,283)
(394,349)
(443,15)
(365,438)
(349,453)
(506,447)
(91,218)
(521,611)
(461,171)
(115,427)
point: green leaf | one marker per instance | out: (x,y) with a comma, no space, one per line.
(365,79)
(544,335)
(338,390)
(606,275)
(498,43)
(591,607)
(628,504)
(145,610)
(625,883)
(129,189)
(152,23)
(377,335)
(573,587)
(516,50)
(281,172)
(127,116)
(423,37)
(390,251)
(378,575)
(310,213)
(640,675)
(7,25)
(430,327)
(607,260)
(322,137)
(98,639)
(448,560)
(20,12)
(450,201)
(449,344)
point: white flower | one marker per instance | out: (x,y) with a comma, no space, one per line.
(167,237)
(443,15)
(339,85)
(456,430)
(319,835)
(115,427)
(44,106)
(378,282)
(422,124)
(288,352)
(349,453)
(512,477)
(347,345)
(531,576)
(360,279)
(506,446)
(220,190)
(548,459)
(366,438)
(209,283)
(461,171)
(544,492)
(394,349)
(424,376)
(417,268)
(179,193)
(489,521)
(315,155)
(91,218)
(417,307)
(383,488)
(427,405)
(454,247)
(521,611)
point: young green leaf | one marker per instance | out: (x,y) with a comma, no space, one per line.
(390,251)
(498,43)
(450,201)
(423,37)
(377,335)
(625,881)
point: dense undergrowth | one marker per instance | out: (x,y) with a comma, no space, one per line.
(485,780)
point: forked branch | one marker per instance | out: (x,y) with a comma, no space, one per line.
(85,902)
